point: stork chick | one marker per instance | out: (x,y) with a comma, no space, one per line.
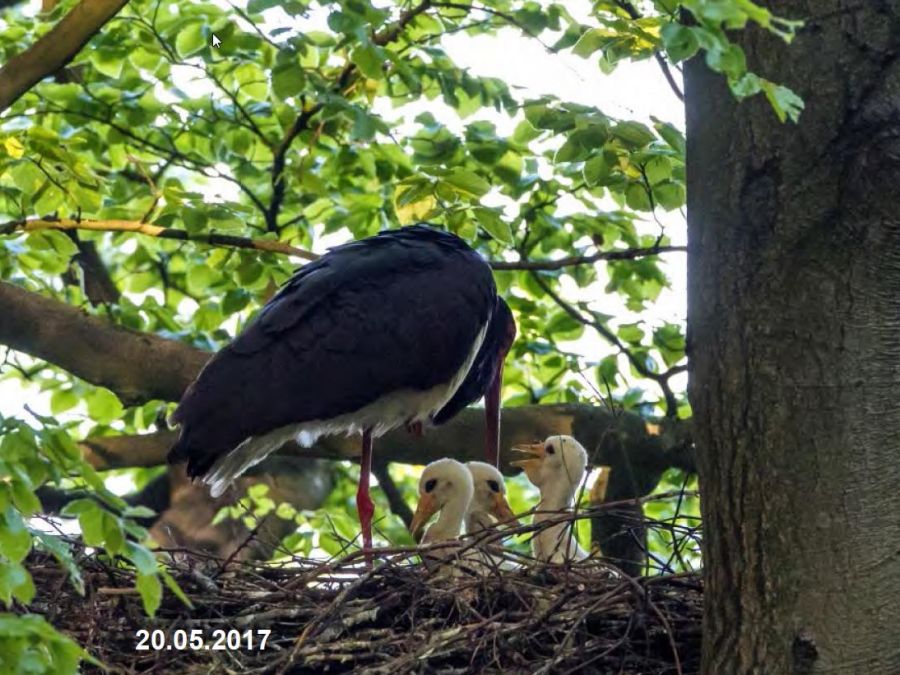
(556,467)
(488,505)
(444,488)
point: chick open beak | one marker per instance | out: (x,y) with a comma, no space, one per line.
(426,508)
(531,465)
(501,510)
(598,491)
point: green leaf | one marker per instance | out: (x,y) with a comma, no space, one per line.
(138,512)
(631,333)
(608,371)
(670,134)
(15,582)
(669,195)
(150,588)
(494,225)
(143,560)
(108,61)
(633,133)
(415,211)
(467,183)
(591,41)
(15,539)
(103,406)
(637,198)
(62,400)
(191,39)
(24,499)
(784,101)
(658,169)
(596,169)
(175,588)
(252,80)
(113,536)
(91,523)
(200,278)
(288,80)
(53,240)
(679,41)
(63,554)
(369,58)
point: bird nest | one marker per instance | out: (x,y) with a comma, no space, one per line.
(399,616)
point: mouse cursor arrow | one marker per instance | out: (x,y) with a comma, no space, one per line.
(215,41)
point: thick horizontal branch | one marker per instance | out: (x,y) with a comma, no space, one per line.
(622,440)
(150,230)
(55,49)
(138,367)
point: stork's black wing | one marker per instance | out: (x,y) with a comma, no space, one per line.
(500,335)
(400,310)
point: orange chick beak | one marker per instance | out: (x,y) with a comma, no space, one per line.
(501,510)
(533,464)
(426,508)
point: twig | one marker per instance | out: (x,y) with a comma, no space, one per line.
(571,261)
(660,58)
(209,238)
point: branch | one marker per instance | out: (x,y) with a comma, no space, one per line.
(213,239)
(210,238)
(55,49)
(138,367)
(633,12)
(278,163)
(394,31)
(302,121)
(560,263)
(662,379)
(622,441)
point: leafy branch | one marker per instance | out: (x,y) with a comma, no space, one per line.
(572,261)
(270,246)
(209,238)
(661,379)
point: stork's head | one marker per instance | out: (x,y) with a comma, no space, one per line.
(559,460)
(489,499)
(445,486)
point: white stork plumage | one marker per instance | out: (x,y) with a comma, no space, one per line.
(557,468)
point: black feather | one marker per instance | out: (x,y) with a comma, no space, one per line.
(501,332)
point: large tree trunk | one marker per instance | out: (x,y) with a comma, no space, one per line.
(794,338)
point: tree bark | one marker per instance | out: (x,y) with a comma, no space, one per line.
(794,343)
(55,49)
(137,367)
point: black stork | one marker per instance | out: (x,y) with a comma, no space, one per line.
(402,328)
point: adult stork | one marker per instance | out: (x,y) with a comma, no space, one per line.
(404,327)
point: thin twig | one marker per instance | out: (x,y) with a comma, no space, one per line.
(209,238)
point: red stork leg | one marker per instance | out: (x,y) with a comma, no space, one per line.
(364,506)
(492,417)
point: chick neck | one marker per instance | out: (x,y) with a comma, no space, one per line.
(449,522)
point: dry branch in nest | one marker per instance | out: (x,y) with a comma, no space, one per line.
(399,617)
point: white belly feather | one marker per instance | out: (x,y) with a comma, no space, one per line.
(382,415)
